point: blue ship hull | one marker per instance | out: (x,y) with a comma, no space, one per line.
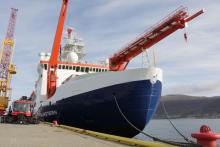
(97,110)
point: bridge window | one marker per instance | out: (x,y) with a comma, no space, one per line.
(93,69)
(82,69)
(63,67)
(87,69)
(66,66)
(45,66)
(77,68)
(74,68)
(100,70)
(97,70)
(70,67)
(59,66)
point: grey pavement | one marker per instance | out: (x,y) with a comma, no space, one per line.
(12,135)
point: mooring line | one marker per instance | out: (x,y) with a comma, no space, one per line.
(181,144)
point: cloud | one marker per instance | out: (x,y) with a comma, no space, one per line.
(198,88)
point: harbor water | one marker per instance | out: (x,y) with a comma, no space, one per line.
(162,128)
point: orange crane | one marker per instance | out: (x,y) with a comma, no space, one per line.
(170,24)
(52,66)
(6,68)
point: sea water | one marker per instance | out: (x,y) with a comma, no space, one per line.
(162,128)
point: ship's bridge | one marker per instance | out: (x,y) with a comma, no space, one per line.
(77,67)
(66,71)
(70,63)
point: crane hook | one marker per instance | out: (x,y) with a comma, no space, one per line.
(185,35)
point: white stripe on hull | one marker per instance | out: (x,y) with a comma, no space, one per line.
(89,82)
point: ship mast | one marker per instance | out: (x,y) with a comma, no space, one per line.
(52,66)
(173,22)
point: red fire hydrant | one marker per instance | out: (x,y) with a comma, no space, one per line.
(206,137)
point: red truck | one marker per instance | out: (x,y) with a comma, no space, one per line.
(21,111)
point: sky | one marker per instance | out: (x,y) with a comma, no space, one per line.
(189,68)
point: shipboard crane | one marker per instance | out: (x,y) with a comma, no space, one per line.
(53,62)
(6,68)
(174,21)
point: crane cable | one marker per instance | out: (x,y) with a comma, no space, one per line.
(185,35)
(181,144)
(154,58)
(145,58)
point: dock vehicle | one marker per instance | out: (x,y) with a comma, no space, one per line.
(21,111)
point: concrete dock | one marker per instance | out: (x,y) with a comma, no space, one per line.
(12,135)
(49,135)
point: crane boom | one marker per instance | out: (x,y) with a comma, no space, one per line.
(52,67)
(174,21)
(6,68)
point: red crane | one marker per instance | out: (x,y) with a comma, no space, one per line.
(52,66)
(153,35)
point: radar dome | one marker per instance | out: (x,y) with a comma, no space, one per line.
(72,57)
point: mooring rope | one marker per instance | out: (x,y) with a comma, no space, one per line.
(181,144)
(167,117)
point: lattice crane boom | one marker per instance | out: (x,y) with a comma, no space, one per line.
(174,21)
(6,68)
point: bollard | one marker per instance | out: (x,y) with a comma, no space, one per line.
(55,123)
(206,137)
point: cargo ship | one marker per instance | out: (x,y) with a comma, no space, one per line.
(104,97)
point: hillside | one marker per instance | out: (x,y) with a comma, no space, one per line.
(182,106)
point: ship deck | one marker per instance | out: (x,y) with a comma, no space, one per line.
(13,135)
